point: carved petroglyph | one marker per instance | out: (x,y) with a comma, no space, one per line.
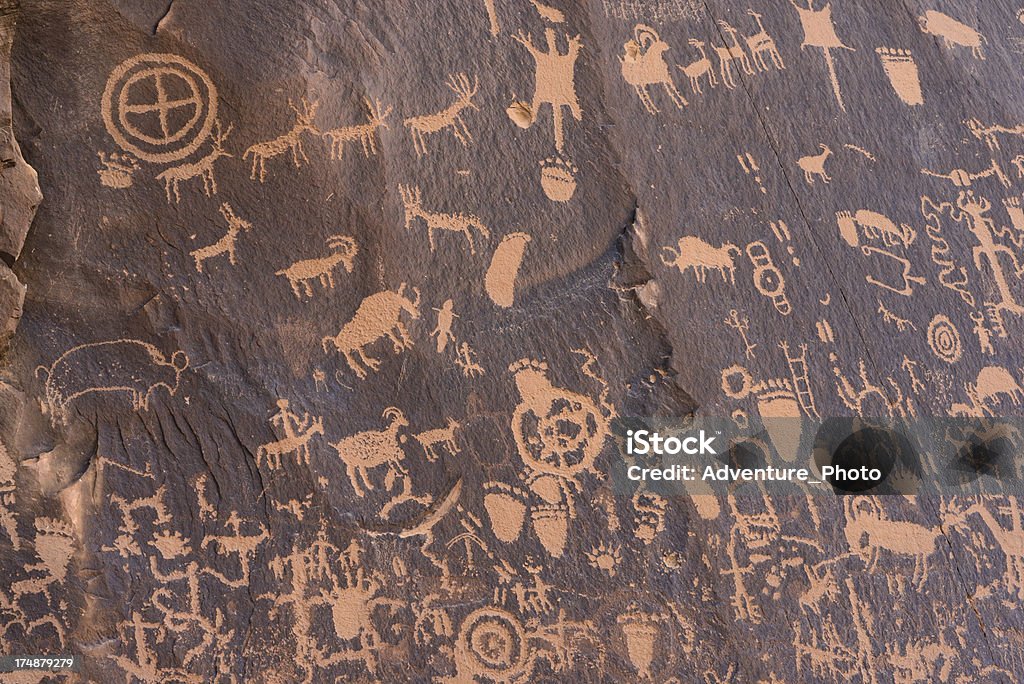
(8,521)
(159,107)
(291,141)
(558,179)
(742,326)
(962,178)
(226,245)
(699,67)
(302,274)
(990,134)
(813,166)
(900,67)
(449,118)
(952,32)
(944,339)
(768,279)
(298,432)
(820,32)
(693,253)
(902,324)
(500,280)
(1006,526)
(875,226)
(751,168)
(366,134)
(464,224)
(442,332)
(124,365)
(370,449)
(554,79)
(858,400)
(378,316)
(983,333)
(434,440)
(118,170)
(761,44)
(643,65)
(202,169)
(951,276)
(467,362)
(869,531)
(731,52)
(492,17)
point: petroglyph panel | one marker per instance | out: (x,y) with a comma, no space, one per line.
(333,310)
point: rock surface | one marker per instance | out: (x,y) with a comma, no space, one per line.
(332,307)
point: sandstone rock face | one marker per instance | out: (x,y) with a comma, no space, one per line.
(333,306)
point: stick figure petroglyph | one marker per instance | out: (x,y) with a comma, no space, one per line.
(742,326)
(226,245)
(290,141)
(554,79)
(448,118)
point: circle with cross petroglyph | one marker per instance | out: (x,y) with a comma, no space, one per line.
(159,107)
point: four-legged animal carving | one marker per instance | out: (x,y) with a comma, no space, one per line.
(449,117)
(377,317)
(290,141)
(644,65)
(727,54)
(226,245)
(303,273)
(203,168)
(453,223)
(761,43)
(699,67)
(364,133)
(372,448)
(694,253)
(814,165)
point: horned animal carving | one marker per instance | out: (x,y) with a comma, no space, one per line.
(449,117)
(301,274)
(286,142)
(694,253)
(365,450)
(131,366)
(465,224)
(377,317)
(644,65)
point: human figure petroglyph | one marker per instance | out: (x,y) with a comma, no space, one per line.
(370,449)
(727,54)
(820,32)
(869,531)
(466,360)
(813,166)
(298,432)
(144,666)
(366,133)
(126,543)
(465,224)
(952,32)
(699,67)
(202,169)
(118,170)
(225,245)
(124,365)
(696,254)
(982,331)
(449,118)
(643,65)
(901,69)
(875,226)
(378,316)
(302,274)
(761,44)
(554,79)
(974,209)
(443,330)
(290,141)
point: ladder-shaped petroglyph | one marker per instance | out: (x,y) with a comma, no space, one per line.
(952,32)
(693,253)
(202,169)
(554,80)
(298,432)
(643,65)
(290,141)
(225,245)
(901,69)
(302,274)
(379,316)
(500,280)
(365,134)
(768,279)
(449,118)
(125,365)
(820,32)
(464,224)
(813,166)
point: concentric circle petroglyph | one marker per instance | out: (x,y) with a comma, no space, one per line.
(159,107)
(944,339)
